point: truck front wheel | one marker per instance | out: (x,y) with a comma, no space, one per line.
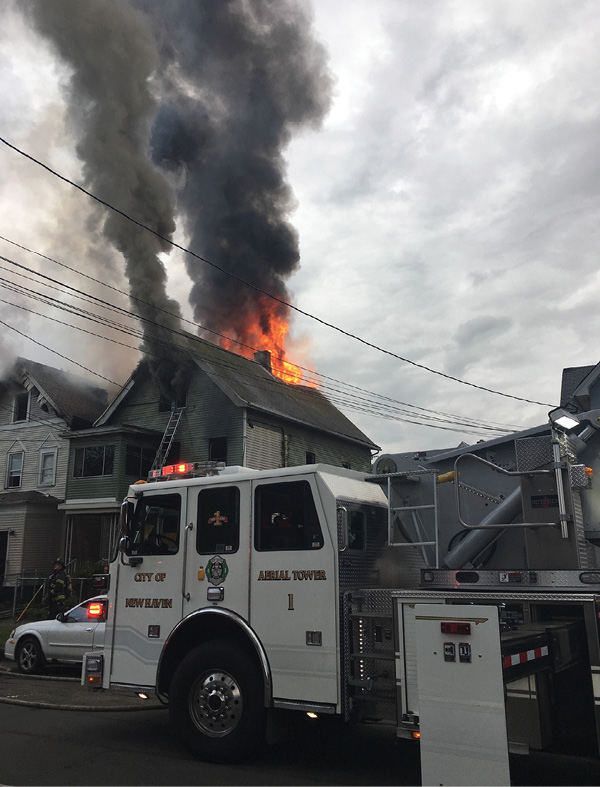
(216,702)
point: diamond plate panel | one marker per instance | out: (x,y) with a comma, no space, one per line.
(533,452)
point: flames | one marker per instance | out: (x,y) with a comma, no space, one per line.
(269,333)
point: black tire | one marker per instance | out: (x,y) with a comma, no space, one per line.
(216,702)
(29,656)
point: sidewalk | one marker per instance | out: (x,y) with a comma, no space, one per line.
(60,693)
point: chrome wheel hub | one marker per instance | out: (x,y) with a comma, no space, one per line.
(215,703)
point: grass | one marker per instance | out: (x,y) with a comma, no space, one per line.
(5,629)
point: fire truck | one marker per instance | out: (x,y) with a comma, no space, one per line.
(452,595)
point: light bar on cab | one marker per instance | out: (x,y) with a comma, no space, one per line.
(186,469)
(179,469)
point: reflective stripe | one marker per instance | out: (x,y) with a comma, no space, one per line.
(524,656)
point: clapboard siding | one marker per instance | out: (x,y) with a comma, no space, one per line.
(294,441)
(208,414)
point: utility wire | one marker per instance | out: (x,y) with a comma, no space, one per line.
(386,405)
(264,292)
(266,384)
(187,336)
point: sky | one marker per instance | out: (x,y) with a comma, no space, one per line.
(445,203)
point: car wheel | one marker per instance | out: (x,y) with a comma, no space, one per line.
(29,656)
(216,703)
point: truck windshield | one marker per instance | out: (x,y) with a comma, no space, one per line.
(154,527)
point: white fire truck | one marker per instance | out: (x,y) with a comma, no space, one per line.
(452,595)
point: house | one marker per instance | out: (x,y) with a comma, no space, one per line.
(38,404)
(232,409)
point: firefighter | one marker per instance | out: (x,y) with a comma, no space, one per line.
(59,589)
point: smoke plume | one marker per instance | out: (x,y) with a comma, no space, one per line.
(189,106)
(238,79)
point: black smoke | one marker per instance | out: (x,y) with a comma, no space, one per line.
(237,80)
(185,108)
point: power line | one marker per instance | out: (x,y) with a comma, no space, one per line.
(364,406)
(385,406)
(264,292)
(116,326)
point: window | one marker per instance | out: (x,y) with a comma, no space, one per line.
(21,407)
(286,518)
(310,458)
(155,525)
(80,614)
(138,460)
(14,470)
(217,449)
(164,404)
(47,471)
(357,530)
(218,528)
(94,461)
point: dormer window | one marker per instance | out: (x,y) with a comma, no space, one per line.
(21,407)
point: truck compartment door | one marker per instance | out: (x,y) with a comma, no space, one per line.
(461,695)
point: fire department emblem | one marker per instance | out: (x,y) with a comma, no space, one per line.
(217,570)
(218,519)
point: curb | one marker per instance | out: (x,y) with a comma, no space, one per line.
(72,707)
(104,709)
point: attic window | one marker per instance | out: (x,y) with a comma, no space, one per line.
(164,404)
(21,407)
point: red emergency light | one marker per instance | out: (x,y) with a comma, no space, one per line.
(455,627)
(179,469)
(95,610)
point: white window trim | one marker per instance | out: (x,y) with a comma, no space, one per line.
(45,452)
(7,477)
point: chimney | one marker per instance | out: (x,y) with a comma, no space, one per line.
(263,357)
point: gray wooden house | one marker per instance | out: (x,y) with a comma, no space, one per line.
(234,410)
(38,404)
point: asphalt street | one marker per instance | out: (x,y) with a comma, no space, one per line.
(56,732)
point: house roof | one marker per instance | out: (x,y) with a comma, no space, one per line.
(69,396)
(248,384)
(17,498)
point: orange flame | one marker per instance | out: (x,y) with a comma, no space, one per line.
(270,334)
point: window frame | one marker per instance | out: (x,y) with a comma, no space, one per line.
(200,526)
(85,448)
(10,471)
(47,452)
(275,533)
(142,547)
(129,448)
(22,396)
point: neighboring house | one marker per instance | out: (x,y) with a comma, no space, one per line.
(234,411)
(37,405)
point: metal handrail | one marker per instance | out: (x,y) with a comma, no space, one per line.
(496,468)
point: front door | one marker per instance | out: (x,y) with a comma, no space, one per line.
(293,589)
(149,586)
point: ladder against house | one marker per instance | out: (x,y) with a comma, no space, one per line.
(167,438)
